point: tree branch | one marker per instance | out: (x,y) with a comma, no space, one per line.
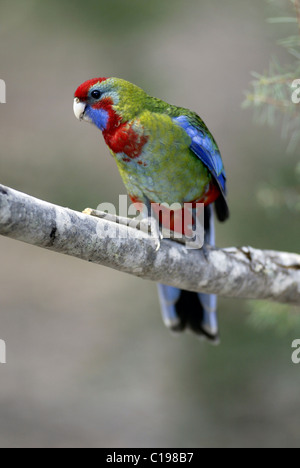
(233,272)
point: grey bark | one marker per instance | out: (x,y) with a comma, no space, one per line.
(233,272)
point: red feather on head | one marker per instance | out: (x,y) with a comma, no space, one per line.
(82,90)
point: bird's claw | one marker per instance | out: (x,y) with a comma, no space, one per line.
(156,234)
(205,251)
(150,226)
(156,243)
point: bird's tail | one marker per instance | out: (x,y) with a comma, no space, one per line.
(189,310)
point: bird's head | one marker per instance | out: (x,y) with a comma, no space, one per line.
(107,102)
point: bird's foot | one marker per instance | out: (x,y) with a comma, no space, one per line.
(147,225)
(205,251)
(107,216)
(150,226)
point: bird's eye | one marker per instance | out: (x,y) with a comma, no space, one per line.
(95,94)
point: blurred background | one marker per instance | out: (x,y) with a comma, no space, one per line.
(89,360)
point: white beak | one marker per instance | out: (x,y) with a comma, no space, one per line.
(79,108)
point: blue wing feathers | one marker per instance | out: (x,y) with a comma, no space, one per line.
(205,149)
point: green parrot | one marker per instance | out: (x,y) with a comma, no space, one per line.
(165,155)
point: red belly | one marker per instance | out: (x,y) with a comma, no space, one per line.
(181,220)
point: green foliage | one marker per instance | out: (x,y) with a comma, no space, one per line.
(271,94)
(271,98)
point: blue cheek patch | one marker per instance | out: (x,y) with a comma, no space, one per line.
(99,117)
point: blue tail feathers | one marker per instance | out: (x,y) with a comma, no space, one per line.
(194,311)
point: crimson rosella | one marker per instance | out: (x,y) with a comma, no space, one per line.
(165,154)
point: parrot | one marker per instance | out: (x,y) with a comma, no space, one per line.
(165,154)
